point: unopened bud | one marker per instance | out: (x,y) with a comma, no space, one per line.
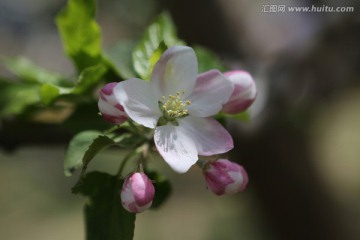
(224,177)
(137,193)
(110,109)
(244,92)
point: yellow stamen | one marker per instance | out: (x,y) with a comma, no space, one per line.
(174,106)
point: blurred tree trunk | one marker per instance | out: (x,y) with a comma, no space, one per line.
(293,199)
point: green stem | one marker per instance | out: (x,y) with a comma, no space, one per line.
(145,154)
(114,128)
(83,169)
(130,155)
(135,128)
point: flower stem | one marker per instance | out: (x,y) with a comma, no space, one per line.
(114,128)
(129,156)
(144,156)
(135,128)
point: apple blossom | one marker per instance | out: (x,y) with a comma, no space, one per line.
(244,92)
(110,109)
(225,177)
(178,105)
(137,193)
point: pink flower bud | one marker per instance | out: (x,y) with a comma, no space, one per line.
(244,92)
(225,177)
(137,193)
(110,109)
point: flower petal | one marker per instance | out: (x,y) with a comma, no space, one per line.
(209,136)
(177,149)
(110,113)
(244,93)
(212,90)
(175,71)
(111,110)
(139,102)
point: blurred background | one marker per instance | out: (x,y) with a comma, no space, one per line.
(301,147)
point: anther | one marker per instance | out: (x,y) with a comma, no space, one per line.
(174,106)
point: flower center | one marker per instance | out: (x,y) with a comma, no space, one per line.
(173,107)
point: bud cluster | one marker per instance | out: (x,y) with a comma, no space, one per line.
(222,177)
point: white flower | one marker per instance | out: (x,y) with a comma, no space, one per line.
(178,103)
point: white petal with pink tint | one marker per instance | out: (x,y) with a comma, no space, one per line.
(175,71)
(212,90)
(177,149)
(209,136)
(139,102)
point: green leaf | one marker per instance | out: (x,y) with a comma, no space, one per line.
(29,72)
(161,30)
(128,140)
(207,60)
(48,93)
(80,33)
(82,148)
(156,55)
(120,58)
(89,78)
(100,143)
(105,218)
(162,188)
(15,97)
